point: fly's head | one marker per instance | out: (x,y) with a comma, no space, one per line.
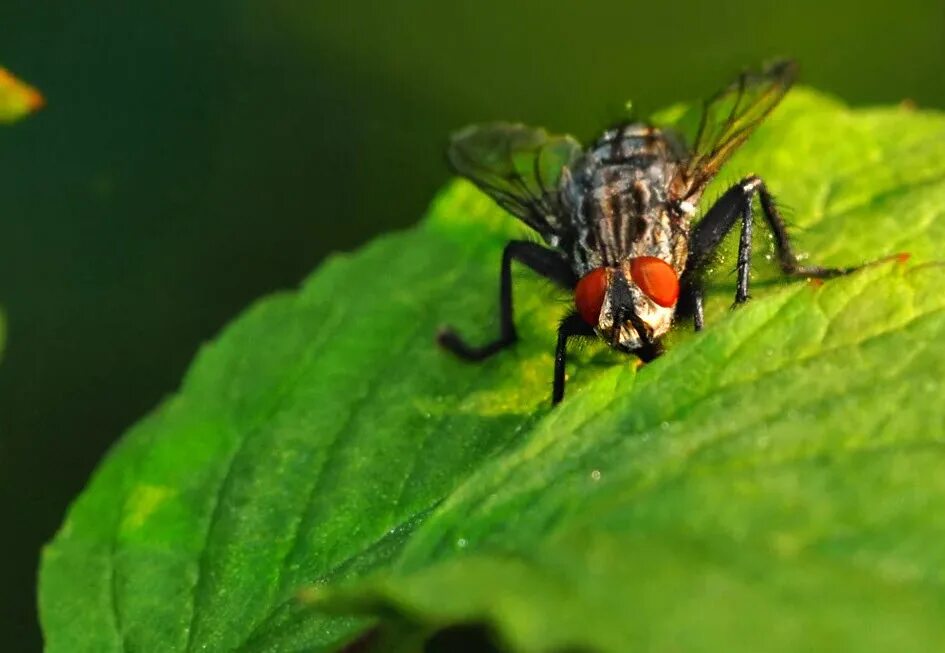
(630,305)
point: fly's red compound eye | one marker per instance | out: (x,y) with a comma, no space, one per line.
(589,294)
(656,278)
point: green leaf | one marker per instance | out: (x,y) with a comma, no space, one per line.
(17,98)
(774,483)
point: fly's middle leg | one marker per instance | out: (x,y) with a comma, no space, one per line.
(735,204)
(542,260)
(787,259)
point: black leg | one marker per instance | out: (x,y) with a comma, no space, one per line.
(545,262)
(743,266)
(691,301)
(708,234)
(698,315)
(786,257)
(571,326)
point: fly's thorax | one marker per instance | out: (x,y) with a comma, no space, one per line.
(664,234)
(618,196)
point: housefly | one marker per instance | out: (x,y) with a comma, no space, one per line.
(616,218)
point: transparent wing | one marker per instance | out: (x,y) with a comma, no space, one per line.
(519,167)
(729,118)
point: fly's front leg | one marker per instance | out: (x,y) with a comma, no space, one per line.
(571,326)
(698,313)
(690,300)
(703,243)
(743,266)
(545,262)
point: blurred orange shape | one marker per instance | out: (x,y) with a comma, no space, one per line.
(17,98)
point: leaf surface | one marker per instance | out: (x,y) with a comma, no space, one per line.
(776,482)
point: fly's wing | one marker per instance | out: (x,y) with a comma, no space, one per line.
(520,168)
(729,118)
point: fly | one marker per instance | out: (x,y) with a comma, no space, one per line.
(616,218)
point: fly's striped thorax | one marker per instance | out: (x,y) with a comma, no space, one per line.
(617,194)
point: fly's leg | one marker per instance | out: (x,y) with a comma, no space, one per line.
(571,326)
(786,257)
(695,300)
(743,264)
(545,262)
(736,203)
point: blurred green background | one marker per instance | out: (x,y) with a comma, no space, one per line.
(195,156)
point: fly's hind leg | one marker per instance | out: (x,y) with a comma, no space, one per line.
(542,260)
(735,204)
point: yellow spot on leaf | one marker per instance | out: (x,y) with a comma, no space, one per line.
(142,502)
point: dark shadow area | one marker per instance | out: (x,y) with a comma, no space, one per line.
(462,639)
